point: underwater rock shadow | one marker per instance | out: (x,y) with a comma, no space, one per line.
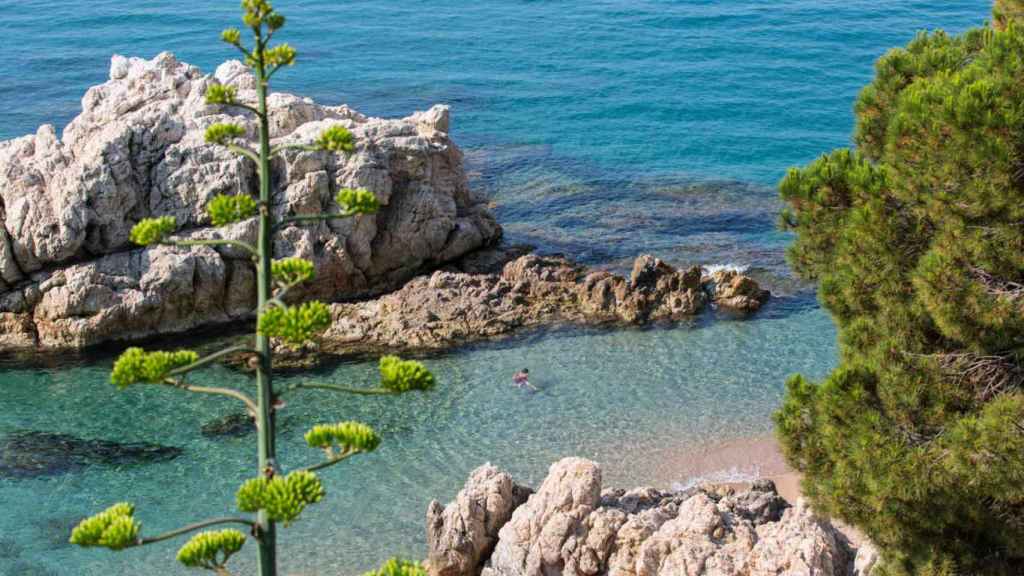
(32,454)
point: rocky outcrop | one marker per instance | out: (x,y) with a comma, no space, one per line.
(463,534)
(451,307)
(69,276)
(571,527)
(736,291)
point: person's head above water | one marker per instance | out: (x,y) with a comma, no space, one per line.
(526,370)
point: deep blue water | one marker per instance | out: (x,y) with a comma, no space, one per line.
(601,129)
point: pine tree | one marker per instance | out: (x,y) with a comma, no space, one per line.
(271,497)
(916,239)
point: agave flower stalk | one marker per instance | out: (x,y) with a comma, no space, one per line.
(271,496)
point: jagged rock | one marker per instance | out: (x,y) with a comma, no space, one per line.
(760,504)
(655,291)
(736,291)
(491,260)
(799,543)
(28,454)
(449,307)
(69,276)
(570,527)
(461,536)
(16,331)
(532,541)
(866,559)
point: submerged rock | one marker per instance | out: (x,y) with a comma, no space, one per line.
(571,527)
(238,424)
(29,454)
(69,277)
(449,308)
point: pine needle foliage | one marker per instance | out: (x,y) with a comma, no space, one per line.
(272,496)
(916,239)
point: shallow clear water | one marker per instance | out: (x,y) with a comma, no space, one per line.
(601,129)
(604,395)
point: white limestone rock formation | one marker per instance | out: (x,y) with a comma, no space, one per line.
(570,527)
(69,276)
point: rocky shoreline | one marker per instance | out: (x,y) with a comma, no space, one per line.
(70,279)
(573,526)
(495,293)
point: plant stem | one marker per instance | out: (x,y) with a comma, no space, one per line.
(218,242)
(210,359)
(192,528)
(243,397)
(264,416)
(327,463)
(305,218)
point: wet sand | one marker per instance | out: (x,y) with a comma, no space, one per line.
(736,463)
(731,462)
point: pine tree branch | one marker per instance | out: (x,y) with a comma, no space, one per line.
(193,528)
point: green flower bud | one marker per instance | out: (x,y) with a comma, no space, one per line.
(113,528)
(211,550)
(275,21)
(398,567)
(227,209)
(346,436)
(404,375)
(223,134)
(295,325)
(152,230)
(336,139)
(284,498)
(281,55)
(251,494)
(221,94)
(255,12)
(136,365)
(232,36)
(292,271)
(357,201)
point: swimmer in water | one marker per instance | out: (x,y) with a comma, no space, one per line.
(522,379)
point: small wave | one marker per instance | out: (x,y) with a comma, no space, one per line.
(730,267)
(726,476)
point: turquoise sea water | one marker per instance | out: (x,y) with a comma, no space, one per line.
(601,129)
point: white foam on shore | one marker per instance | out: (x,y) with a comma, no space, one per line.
(725,476)
(730,267)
